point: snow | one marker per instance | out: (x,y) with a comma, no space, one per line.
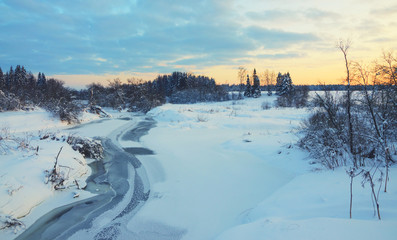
(29,144)
(228,170)
(29,121)
(23,175)
(318,228)
(214,162)
(315,205)
(232,170)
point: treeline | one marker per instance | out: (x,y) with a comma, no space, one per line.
(136,95)
(20,89)
(319,87)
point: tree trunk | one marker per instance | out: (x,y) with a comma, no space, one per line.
(374,195)
(351,195)
(344,48)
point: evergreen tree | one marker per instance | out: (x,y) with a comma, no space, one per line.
(284,84)
(38,78)
(41,81)
(20,81)
(286,87)
(9,79)
(31,87)
(2,80)
(248,90)
(279,81)
(256,91)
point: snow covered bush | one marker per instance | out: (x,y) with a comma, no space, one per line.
(8,142)
(266,105)
(67,111)
(95,109)
(324,141)
(199,95)
(202,118)
(326,133)
(89,148)
(9,102)
(8,222)
(298,98)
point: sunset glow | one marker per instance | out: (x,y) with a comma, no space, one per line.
(95,41)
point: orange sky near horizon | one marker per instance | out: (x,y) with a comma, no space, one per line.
(318,69)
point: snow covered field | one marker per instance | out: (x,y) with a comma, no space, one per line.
(231,171)
(228,170)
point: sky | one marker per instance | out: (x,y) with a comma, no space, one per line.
(87,41)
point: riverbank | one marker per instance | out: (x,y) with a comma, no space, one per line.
(62,211)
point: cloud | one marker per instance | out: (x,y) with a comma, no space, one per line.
(273,15)
(319,15)
(385,11)
(279,56)
(100,36)
(277,39)
(292,15)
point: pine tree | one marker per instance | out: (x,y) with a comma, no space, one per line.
(248,91)
(279,83)
(284,84)
(20,81)
(41,81)
(2,80)
(9,79)
(256,92)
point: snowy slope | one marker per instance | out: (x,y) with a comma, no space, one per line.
(29,144)
(23,174)
(231,171)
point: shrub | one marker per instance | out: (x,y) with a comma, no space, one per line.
(9,102)
(87,147)
(297,98)
(266,105)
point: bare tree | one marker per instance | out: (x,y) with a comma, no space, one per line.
(377,120)
(344,47)
(390,67)
(269,78)
(241,74)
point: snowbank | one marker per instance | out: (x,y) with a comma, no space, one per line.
(29,144)
(23,175)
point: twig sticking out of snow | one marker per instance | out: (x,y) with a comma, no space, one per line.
(54,176)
